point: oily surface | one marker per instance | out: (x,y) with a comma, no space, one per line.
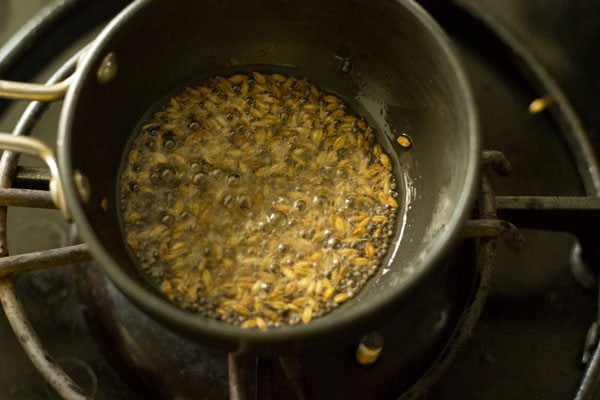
(257,200)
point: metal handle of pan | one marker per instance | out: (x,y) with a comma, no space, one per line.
(52,91)
(35,147)
(34,91)
(38,91)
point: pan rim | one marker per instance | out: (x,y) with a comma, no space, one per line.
(198,326)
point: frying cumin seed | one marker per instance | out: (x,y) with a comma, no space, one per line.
(266,202)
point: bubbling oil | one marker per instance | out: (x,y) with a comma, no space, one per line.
(258,200)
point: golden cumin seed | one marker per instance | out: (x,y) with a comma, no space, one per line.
(307,315)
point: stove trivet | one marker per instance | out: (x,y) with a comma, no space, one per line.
(15,313)
(530,211)
(10,264)
(577,215)
(76,253)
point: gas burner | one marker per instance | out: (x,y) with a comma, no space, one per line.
(118,352)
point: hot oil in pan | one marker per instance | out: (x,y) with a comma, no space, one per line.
(258,200)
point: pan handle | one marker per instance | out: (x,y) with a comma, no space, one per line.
(43,92)
(35,147)
(34,91)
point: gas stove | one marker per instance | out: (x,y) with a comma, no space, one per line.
(520,330)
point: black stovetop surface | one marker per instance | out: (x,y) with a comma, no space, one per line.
(529,340)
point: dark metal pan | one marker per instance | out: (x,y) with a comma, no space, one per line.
(387,58)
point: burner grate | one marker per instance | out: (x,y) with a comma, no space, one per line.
(10,265)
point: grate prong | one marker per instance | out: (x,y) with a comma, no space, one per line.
(43,259)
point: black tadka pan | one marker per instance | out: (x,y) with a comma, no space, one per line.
(387,58)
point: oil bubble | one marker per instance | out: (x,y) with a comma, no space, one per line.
(168,173)
(233,179)
(300,205)
(200,179)
(194,125)
(244,202)
(167,219)
(228,200)
(169,144)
